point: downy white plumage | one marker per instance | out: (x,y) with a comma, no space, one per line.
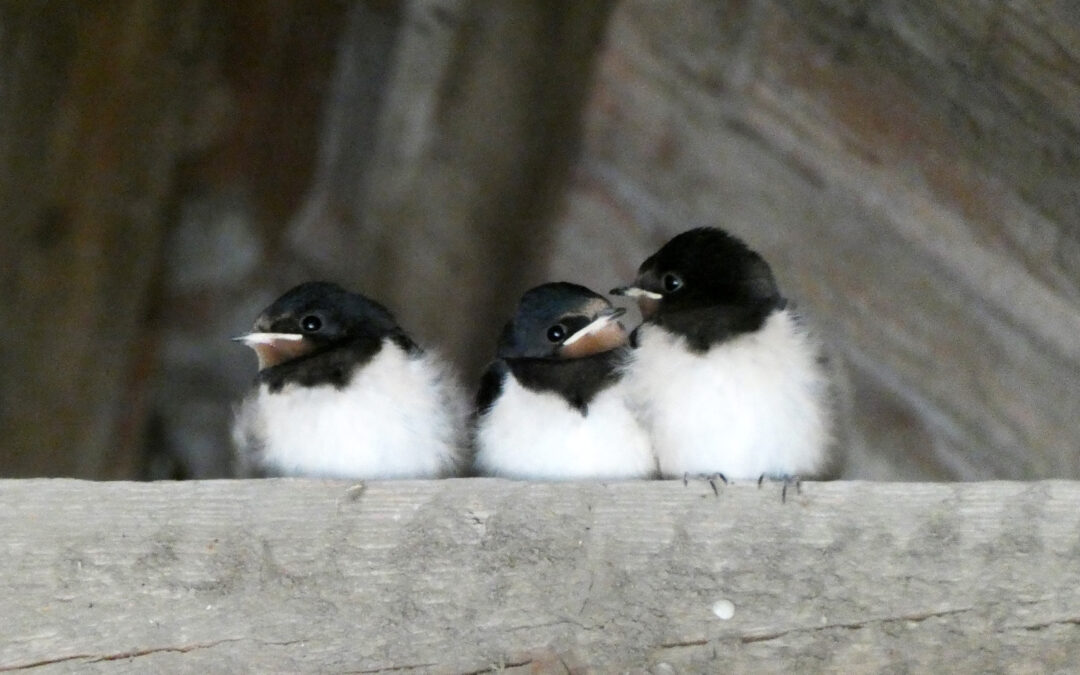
(747,407)
(342,392)
(551,407)
(724,375)
(537,435)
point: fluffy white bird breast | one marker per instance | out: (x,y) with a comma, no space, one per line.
(539,436)
(401,416)
(756,404)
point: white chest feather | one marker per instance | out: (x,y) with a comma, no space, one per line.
(757,404)
(539,436)
(399,417)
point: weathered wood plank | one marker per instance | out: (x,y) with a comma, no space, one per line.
(465,575)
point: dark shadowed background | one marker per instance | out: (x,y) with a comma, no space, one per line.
(167,167)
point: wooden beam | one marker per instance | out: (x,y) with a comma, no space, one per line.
(473,574)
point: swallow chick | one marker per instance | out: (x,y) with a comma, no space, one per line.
(551,405)
(343,392)
(724,374)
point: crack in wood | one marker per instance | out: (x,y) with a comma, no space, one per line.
(1072,621)
(135,653)
(854,625)
(496,667)
(858,625)
(685,643)
(44,662)
(549,624)
(392,669)
(587,594)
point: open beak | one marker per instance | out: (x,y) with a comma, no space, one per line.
(603,334)
(275,348)
(648,301)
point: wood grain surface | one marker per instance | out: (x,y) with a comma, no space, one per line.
(476,574)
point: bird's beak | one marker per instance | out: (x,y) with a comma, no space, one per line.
(275,348)
(648,301)
(603,334)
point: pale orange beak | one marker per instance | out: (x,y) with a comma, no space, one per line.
(275,348)
(603,334)
(648,301)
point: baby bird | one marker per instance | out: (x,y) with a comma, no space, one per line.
(551,405)
(724,375)
(343,392)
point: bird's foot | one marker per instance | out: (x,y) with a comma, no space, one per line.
(787,479)
(710,478)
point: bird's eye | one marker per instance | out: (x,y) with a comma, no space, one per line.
(311,323)
(671,282)
(557,333)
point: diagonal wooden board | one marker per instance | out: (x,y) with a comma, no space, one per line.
(472,574)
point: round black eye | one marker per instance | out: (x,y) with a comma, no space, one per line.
(557,333)
(671,282)
(311,323)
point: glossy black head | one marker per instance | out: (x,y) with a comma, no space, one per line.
(705,276)
(561,321)
(325,313)
(316,316)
